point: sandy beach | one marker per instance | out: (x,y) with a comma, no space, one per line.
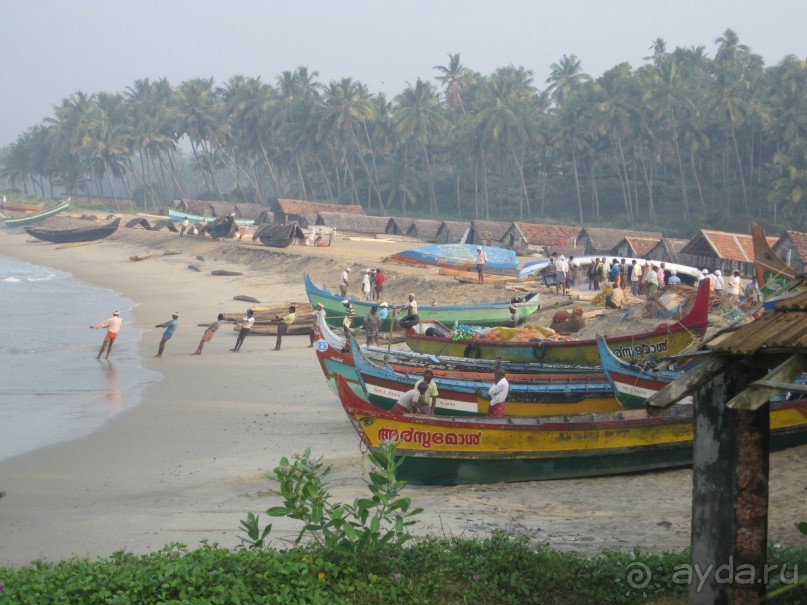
(188,463)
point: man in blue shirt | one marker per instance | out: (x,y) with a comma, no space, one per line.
(170,327)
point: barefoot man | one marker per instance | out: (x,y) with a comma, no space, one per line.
(112,326)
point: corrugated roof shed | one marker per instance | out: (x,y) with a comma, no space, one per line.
(540,234)
(300,207)
(356,223)
(785,327)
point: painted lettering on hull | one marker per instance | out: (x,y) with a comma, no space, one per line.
(642,350)
(426,439)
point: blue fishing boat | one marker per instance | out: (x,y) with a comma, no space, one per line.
(461,257)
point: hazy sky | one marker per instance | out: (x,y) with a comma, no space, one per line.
(52,48)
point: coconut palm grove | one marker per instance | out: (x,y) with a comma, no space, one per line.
(686,140)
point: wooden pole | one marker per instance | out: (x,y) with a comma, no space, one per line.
(391,329)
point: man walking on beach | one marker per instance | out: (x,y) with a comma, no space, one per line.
(343,281)
(183,227)
(112,326)
(246,327)
(481,261)
(208,335)
(170,327)
(283,325)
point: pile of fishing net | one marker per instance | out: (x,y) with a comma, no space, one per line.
(529,334)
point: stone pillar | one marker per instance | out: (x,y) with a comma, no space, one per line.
(729,492)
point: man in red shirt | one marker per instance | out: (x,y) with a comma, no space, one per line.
(379,283)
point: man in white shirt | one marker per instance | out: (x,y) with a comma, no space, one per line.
(481,261)
(411,318)
(112,326)
(560,274)
(343,279)
(498,394)
(246,327)
(184,227)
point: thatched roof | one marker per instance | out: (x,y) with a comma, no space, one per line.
(668,249)
(398,225)
(488,231)
(356,223)
(265,217)
(248,210)
(450,232)
(425,229)
(197,207)
(300,207)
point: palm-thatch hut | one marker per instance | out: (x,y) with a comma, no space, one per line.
(668,250)
(600,240)
(286,211)
(353,223)
(424,229)
(487,233)
(632,246)
(397,225)
(451,232)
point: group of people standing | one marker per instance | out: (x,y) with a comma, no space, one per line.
(372,283)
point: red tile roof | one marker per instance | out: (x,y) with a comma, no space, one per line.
(727,246)
(539,234)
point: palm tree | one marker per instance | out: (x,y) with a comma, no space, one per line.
(417,117)
(564,78)
(790,189)
(455,78)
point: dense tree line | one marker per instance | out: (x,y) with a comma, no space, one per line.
(684,140)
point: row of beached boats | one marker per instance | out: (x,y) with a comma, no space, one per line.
(575,408)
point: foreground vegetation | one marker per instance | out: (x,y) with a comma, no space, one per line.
(685,140)
(362,554)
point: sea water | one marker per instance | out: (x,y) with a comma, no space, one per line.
(52,387)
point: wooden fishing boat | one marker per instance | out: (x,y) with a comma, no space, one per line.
(195,218)
(530,395)
(33,218)
(501,261)
(666,339)
(404,360)
(441,450)
(772,272)
(224,227)
(279,236)
(79,234)
(485,314)
(633,384)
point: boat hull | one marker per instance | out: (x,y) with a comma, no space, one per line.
(452,451)
(69,236)
(28,220)
(665,340)
(490,315)
(461,257)
(174,215)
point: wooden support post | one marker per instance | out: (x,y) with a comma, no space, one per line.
(729,493)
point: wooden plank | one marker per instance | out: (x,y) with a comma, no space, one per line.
(688,384)
(779,379)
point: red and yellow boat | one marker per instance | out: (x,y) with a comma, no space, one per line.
(439,450)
